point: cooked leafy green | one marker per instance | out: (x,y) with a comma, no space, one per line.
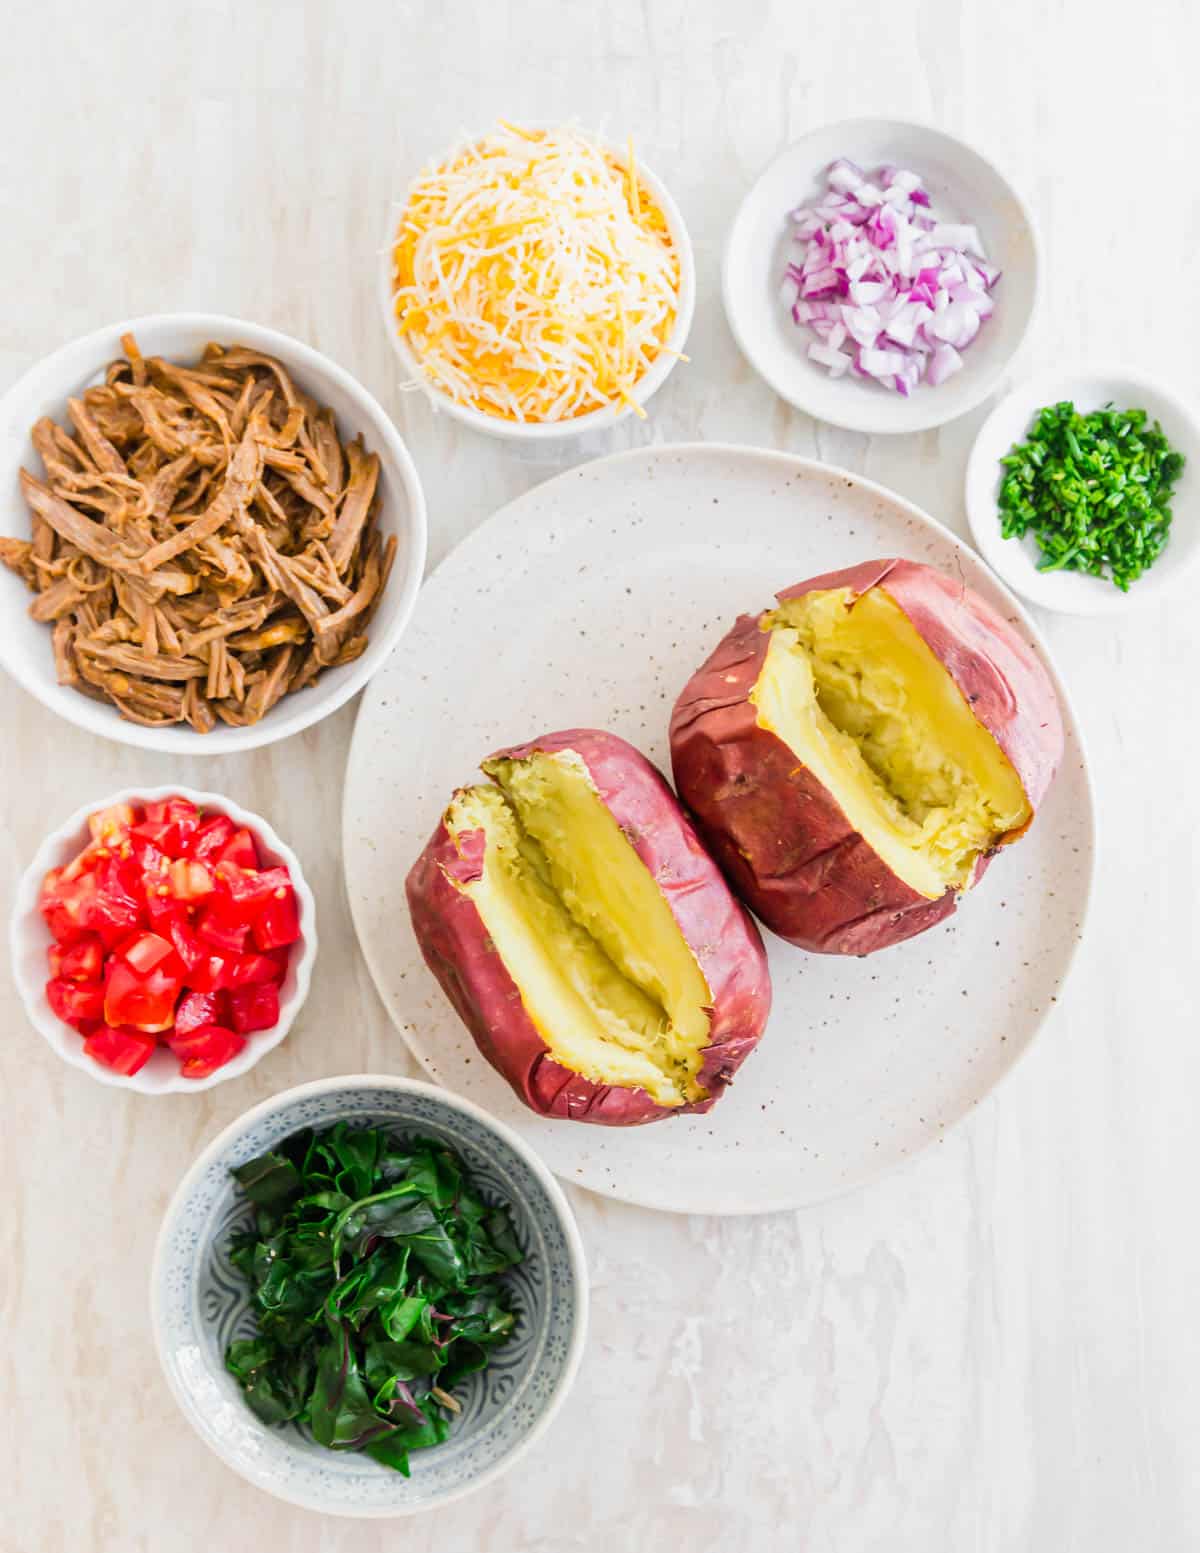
(375,1273)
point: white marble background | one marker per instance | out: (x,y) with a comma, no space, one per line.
(997,1349)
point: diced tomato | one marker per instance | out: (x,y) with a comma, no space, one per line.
(178,811)
(155,833)
(111,826)
(203,971)
(50,896)
(249,889)
(165,923)
(253,969)
(143,999)
(171,825)
(254,1008)
(151,859)
(95,853)
(125,1051)
(146,950)
(240,850)
(205,1050)
(216,929)
(82,960)
(63,929)
(187,946)
(278,924)
(212,838)
(200,1008)
(211,974)
(75,1001)
(102,902)
(188,880)
(62,923)
(162,908)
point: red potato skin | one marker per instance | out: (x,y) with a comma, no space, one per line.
(781,837)
(722,935)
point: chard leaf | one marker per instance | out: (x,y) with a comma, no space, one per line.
(268,1178)
(400,1316)
(406,1361)
(356,1154)
(373,1267)
(340,1413)
(275,1385)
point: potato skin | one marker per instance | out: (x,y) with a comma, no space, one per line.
(718,929)
(782,838)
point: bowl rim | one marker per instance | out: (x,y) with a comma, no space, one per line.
(32,995)
(595,420)
(406,579)
(869,424)
(1042,590)
(563,1212)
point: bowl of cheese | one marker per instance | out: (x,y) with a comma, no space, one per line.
(537,282)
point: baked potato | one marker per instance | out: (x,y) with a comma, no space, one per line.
(854,757)
(585,937)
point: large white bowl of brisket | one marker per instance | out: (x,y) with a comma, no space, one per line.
(213,535)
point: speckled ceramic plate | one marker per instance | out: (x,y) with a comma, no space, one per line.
(589,601)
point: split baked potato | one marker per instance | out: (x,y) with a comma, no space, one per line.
(854,757)
(586,938)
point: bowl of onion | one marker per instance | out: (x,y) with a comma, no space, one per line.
(881,275)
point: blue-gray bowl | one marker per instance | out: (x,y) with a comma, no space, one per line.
(199,1304)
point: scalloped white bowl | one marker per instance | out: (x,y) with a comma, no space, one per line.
(29,938)
(596,420)
(25,648)
(199,1304)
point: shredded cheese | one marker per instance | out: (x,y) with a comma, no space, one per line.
(534,277)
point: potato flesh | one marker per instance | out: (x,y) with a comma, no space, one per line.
(853,689)
(601,965)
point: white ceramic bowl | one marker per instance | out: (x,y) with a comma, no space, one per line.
(596,420)
(25,645)
(963,185)
(1015,560)
(199,1303)
(29,938)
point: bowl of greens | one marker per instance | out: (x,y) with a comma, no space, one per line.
(369,1297)
(1080,490)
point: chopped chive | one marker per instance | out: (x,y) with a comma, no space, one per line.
(1094,490)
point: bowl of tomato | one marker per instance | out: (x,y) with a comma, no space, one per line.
(163,940)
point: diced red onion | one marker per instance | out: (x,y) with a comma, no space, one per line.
(862,324)
(881,363)
(864,292)
(884,286)
(944,363)
(827,356)
(844,176)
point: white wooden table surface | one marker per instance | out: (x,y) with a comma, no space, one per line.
(997,1349)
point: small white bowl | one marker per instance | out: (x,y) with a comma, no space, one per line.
(199,1303)
(596,420)
(963,185)
(25,649)
(29,938)
(1015,560)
